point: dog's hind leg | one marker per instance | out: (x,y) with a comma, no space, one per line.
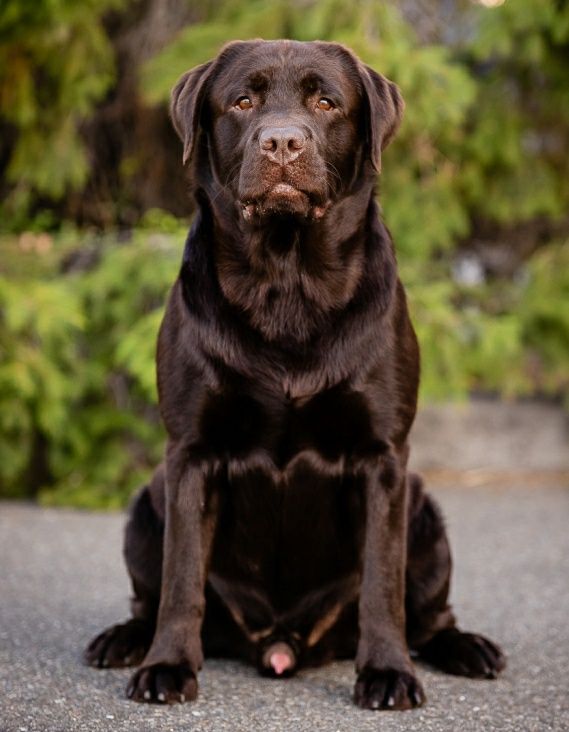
(126,644)
(431,625)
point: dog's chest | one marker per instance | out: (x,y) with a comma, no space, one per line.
(329,430)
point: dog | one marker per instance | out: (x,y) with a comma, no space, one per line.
(283,527)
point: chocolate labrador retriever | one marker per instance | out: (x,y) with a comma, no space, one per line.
(284,528)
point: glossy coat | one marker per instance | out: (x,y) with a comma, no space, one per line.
(284,527)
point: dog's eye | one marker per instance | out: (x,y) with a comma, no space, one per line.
(325,104)
(244,103)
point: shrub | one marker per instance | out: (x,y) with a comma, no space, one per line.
(78,323)
(78,410)
(482,149)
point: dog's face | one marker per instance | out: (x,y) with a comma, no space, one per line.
(289,125)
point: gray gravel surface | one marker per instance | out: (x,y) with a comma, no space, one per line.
(62,580)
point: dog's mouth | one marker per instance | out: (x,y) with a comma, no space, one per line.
(284,199)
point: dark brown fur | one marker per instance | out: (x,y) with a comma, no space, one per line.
(284,520)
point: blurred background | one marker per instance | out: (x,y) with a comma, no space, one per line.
(94,208)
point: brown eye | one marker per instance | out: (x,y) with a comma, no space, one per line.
(244,103)
(324,104)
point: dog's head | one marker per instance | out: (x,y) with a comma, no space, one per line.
(289,127)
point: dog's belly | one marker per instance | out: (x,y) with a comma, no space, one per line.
(286,543)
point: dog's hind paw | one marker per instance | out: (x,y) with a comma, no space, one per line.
(120,645)
(387,689)
(163,684)
(464,654)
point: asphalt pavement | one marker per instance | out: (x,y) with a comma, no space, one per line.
(62,580)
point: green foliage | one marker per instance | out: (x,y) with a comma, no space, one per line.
(56,63)
(510,338)
(544,311)
(77,384)
(77,345)
(516,155)
(484,140)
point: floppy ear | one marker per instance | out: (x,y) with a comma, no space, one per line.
(385,110)
(185,106)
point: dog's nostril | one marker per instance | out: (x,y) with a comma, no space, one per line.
(268,143)
(295,143)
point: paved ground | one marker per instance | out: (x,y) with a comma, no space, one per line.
(61,580)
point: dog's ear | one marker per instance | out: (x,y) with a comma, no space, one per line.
(185,106)
(385,107)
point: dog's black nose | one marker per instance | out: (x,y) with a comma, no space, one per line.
(282,145)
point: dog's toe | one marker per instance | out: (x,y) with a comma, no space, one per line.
(387,689)
(163,684)
(464,654)
(120,645)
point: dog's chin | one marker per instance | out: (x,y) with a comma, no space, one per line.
(283,201)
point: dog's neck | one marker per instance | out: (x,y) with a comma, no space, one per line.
(288,276)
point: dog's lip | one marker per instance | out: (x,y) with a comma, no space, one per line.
(286,188)
(283,191)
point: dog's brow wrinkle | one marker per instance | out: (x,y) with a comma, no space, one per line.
(258,81)
(311,81)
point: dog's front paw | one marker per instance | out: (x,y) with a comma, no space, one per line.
(464,654)
(388,689)
(163,684)
(120,645)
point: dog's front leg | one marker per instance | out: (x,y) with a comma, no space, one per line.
(386,679)
(169,671)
